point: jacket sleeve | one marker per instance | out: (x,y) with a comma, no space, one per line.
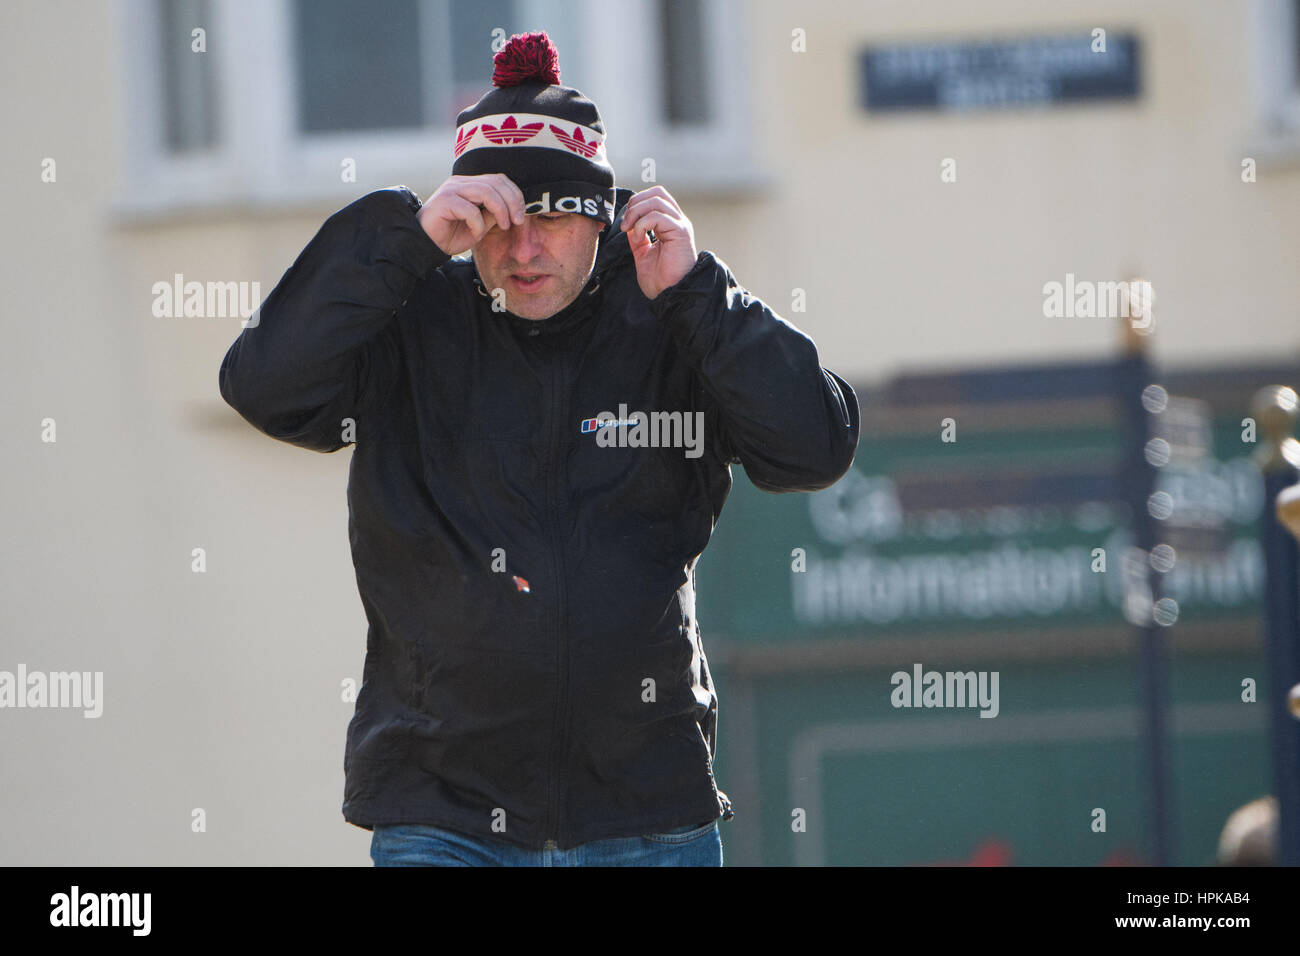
(790,422)
(324,346)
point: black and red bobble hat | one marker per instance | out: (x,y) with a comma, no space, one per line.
(548,139)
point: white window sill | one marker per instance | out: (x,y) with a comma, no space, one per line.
(226,197)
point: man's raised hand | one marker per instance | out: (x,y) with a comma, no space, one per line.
(464,208)
(665,261)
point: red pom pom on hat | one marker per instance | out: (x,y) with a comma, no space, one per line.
(527,56)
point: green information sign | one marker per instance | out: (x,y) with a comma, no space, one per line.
(989,541)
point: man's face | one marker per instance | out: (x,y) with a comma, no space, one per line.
(560,247)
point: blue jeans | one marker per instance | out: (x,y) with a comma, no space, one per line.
(417,844)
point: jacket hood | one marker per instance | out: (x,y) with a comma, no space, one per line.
(613,244)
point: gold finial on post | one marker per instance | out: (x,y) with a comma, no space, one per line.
(1138,323)
(1274,409)
(1288,513)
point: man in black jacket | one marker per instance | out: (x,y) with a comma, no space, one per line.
(543,439)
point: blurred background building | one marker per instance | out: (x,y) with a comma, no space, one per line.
(900,180)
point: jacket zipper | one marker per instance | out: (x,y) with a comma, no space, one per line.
(559,727)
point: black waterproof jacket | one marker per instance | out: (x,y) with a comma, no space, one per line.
(534,668)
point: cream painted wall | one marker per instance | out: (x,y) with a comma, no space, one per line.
(905,271)
(222,688)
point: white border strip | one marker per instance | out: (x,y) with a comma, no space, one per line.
(530,129)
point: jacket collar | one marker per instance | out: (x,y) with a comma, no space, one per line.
(611,247)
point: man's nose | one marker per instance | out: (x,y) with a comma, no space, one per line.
(525,241)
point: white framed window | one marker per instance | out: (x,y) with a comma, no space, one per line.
(1276,38)
(672,80)
(275,99)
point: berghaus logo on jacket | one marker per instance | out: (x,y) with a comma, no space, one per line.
(648,430)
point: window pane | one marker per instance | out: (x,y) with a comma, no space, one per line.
(358,65)
(1295,44)
(190,118)
(471,50)
(687,96)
